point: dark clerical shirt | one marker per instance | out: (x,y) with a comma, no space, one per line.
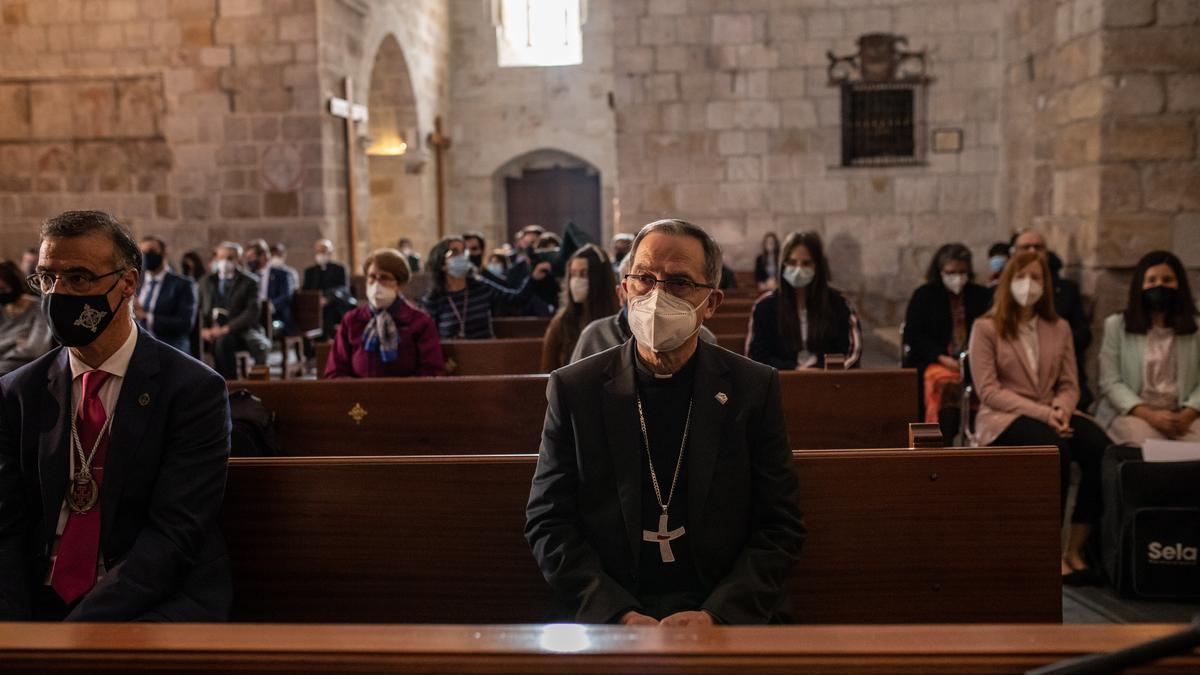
(665,588)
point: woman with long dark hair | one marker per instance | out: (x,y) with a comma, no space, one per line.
(766,264)
(461,302)
(1023,366)
(1150,358)
(24,333)
(804,318)
(587,295)
(938,323)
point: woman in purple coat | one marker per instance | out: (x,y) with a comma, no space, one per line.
(389,336)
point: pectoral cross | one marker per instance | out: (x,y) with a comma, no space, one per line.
(664,538)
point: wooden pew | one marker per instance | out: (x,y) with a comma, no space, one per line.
(912,536)
(508,356)
(724,324)
(276,648)
(504,414)
(520,326)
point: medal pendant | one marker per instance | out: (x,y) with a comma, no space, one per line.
(83,493)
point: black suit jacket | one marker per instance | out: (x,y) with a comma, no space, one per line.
(584,512)
(174,311)
(331,278)
(240,301)
(163,486)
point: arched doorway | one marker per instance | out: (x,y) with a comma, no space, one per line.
(551,188)
(397,206)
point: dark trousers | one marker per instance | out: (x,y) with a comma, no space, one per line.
(46,605)
(1085,448)
(227,345)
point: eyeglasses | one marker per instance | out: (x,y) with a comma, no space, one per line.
(78,283)
(386,280)
(641,284)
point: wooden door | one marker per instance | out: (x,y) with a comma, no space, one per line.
(553,197)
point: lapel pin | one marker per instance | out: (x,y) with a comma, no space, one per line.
(721,398)
(144,400)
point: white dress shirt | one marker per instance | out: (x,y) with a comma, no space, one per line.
(147,299)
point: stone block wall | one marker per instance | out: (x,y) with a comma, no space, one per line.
(725,116)
(505,119)
(187,118)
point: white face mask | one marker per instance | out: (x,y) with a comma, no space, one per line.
(662,321)
(954,282)
(322,259)
(579,289)
(799,276)
(223,268)
(380,296)
(1026,291)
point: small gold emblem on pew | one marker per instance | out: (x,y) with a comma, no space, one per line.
(357,413)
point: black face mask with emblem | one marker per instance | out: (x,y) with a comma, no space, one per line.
(77,320)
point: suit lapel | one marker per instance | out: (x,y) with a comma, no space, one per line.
(131,416)
(624,442)
(708,421)
(54,440)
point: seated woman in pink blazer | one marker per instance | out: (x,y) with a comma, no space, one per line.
(1023,364)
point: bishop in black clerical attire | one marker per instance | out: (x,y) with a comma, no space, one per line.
(664,489)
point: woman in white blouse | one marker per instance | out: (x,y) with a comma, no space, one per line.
(1150,357)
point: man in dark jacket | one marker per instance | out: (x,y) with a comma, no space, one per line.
(230,312)
(165,303)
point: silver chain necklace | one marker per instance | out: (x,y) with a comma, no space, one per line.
(663,536)
(84,491)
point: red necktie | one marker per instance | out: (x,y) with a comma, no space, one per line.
(74,570)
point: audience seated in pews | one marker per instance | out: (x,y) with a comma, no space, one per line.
(1068,304)
(461,302)
(275,284)
(1150,358)
(639,541)
(937,326)
(804,318)
(165,304)
(389,336)
(24,335)
(587,295)
(119,522)
(612,331)
(766,263)
(331,280)
(1023,366)
(230,312)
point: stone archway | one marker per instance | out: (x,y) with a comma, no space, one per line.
(396,206)
(549,187)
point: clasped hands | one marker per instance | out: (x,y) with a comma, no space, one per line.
(211,334)
(698,618)
(1169,423)
(1060,421)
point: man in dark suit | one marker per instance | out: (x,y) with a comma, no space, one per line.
(119,523)
(229,312)
(664,490)
(165,304)
(331,280)
(275,283)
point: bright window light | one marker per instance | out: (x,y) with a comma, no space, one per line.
(539,32)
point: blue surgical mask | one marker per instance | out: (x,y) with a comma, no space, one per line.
(496,269)
(997,263)
(459,266)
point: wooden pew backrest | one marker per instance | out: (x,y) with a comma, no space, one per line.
(902,536)
(507,356)
(504,414)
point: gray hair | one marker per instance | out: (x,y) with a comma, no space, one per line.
(675,227)
(233,245)
(78,223)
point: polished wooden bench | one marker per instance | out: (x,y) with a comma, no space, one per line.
(502,414)
(520,326)
(924,536)
(507,356)
(725,323)
(1009,648)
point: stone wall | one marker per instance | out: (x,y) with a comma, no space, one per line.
(186,118)
(504,117)
(725,117)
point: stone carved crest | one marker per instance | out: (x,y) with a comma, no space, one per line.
(881,57)
(282,168)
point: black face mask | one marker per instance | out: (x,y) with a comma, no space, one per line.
(477,260)
(9,297)
(1160,298)
(77,320)
(152,261)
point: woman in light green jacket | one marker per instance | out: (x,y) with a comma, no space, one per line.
(1150,358)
